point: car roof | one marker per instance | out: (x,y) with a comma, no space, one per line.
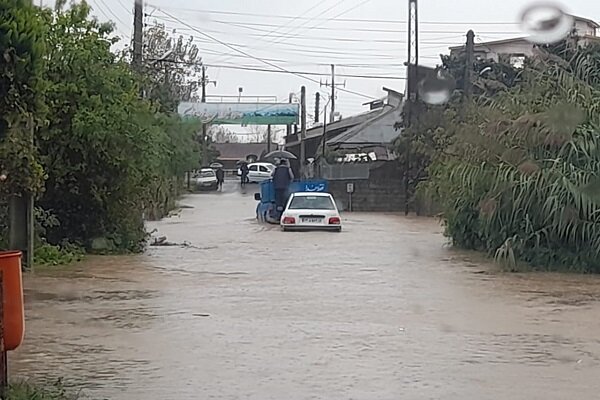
(261,163)
(306,194)
(207,169)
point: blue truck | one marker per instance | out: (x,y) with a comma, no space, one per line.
(266,211)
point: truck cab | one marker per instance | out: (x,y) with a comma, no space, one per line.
(266,210)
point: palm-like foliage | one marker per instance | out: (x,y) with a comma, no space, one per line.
(520,181)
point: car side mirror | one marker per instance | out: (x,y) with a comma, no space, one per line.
(257,196)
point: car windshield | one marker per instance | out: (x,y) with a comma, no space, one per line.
(311,203)
(207,174)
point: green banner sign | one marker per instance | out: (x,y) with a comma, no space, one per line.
(242,113)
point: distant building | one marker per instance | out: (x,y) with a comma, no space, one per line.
(515,50)
(314,135)
(230,154)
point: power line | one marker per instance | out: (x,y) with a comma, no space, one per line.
(350,40)
(278,40)
(339,14)
(111,12)
(257,58)
(309,73)
(249,26)
(338,19)
(129,10)
(258,69)
(282,26)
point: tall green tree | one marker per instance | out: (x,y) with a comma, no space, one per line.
(173,67)
(106,152)
(22,52)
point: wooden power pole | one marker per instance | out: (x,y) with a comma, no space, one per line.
(302,129)
(413,93)
(332,116)
(469,58)
(317,106)
(138,27)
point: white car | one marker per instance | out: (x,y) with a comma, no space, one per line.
(259,172)
(308,211)
(206,179)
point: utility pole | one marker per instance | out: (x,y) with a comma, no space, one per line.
(204,82)
(469,56)
(332,93)
(268,138)
(302,129)
(413,77)
(317,106)
(324,141)
(333,86)
(288,128)
(138,27)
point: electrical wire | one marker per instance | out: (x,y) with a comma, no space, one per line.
(277,40)
(259,59)
(425,22)
(348,40)
(250,26)
(277,27)
(258,69)
(309,73)
(111,12)
(337,15)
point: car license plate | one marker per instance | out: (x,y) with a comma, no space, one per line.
(311,220)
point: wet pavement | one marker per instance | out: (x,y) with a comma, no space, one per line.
(383,310)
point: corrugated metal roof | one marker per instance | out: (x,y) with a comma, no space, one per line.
(349,122)
(377,130)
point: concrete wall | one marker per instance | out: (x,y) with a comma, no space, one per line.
(383,191)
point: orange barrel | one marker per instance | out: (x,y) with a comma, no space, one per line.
(12,290)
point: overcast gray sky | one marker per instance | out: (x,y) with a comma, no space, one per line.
(362,37)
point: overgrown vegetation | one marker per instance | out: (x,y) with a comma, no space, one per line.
(27,391)
(102,158)
(515,170)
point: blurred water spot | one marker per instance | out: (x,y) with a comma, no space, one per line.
(436,88)
(546,23)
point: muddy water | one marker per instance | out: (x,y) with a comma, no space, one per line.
(381,311)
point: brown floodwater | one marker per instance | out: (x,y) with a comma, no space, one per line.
(383,310)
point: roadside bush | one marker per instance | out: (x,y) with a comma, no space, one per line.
(520,179)
(27,391)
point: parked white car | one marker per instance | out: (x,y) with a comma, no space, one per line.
(259,172)
(308,211)
(206,179)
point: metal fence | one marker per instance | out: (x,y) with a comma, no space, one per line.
(344,171)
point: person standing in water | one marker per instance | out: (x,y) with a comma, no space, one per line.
(244,169)
(220,178)
(282,177)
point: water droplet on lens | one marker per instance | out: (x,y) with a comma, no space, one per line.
(546,23)
(436,88)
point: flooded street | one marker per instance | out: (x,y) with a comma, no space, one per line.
(381,311)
